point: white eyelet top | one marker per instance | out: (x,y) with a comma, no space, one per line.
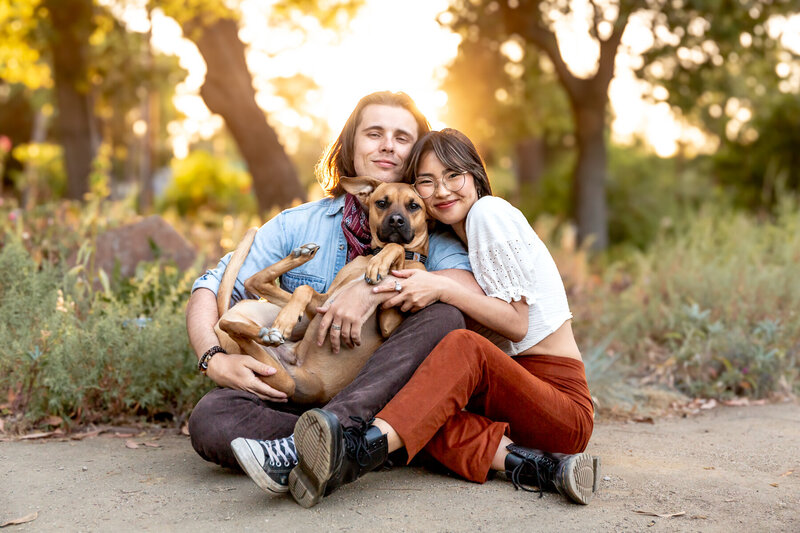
(510,262)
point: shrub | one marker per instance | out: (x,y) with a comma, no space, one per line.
(710,308)
(204,180)
(91,354)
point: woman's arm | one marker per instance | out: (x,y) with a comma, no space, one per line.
(458,288)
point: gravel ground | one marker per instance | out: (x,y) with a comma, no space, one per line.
(727,469)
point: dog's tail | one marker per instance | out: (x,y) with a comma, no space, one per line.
(232,270)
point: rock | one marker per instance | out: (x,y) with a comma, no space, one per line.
(130,244)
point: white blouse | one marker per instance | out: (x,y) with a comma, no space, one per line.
(510,262)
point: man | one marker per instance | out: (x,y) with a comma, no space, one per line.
(375,141)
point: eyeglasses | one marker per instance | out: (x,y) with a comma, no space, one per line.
(426,186)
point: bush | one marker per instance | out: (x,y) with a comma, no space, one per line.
(710,308)
(644,193)
(202,180)
(92,354)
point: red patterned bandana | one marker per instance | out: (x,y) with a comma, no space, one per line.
(355,225)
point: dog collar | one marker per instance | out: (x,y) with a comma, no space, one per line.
(412,256)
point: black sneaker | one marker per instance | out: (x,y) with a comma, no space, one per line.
(331,456)
(574,476)
(267,462)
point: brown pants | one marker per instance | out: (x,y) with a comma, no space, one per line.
(468,393)
(225,414)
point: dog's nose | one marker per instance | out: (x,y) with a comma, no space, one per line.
(397,221)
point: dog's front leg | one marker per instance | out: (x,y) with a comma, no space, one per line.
(392,256)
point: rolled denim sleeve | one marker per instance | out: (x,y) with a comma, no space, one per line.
(446,251)
(268,248)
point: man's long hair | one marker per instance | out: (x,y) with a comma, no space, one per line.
(337,160)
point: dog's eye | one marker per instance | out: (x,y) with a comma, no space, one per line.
(380,204)
(413,206)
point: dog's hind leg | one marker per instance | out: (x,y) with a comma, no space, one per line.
(244,333)
(303,303)
(263,283)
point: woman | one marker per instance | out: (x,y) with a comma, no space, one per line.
(470,405)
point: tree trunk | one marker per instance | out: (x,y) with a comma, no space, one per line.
(530,160)
(228,91)
(71,27)
(590,175)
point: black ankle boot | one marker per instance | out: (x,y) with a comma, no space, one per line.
(574,476)
(331,456)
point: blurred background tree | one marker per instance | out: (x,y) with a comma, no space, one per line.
(104,84)
(679,30)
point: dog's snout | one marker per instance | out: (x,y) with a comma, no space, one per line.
(397,221)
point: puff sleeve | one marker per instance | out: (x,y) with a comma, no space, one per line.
(502,250)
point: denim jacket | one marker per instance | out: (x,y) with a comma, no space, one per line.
(317,222)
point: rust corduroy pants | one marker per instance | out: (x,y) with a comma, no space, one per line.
(468,393)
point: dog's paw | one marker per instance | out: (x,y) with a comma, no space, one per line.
(271,336)
(371,281)
(306,250)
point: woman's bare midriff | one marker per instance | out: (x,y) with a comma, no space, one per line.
(560,343)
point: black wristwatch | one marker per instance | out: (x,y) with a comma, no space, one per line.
(202,366)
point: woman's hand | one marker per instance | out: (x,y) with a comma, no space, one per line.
(419,289)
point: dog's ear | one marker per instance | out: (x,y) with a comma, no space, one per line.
(360,186)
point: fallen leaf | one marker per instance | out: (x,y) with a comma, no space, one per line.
(644,420)
(130,444)
(122,435)
(660,515)
(22,520)
(185,429)
(708,468)
(710,404)
(736,402)
(789,473)
(86,435)
(151,445)
(699,517)
(773,484)
(40,435)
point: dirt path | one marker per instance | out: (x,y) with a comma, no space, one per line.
(729,469)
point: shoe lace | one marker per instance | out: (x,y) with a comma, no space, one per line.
(355,442)
(539,466)
(281,451)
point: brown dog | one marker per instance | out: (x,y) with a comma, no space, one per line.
(308,373)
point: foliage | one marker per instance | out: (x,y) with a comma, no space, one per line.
(724,68)
(645,193)
(204,180)
(45,179)
(89,349)
(21,44)
(761,171)
(710,308)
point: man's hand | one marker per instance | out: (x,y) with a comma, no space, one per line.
(345,315)
(238,371)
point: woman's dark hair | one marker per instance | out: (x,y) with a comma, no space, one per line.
(455,151)
(337,161)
